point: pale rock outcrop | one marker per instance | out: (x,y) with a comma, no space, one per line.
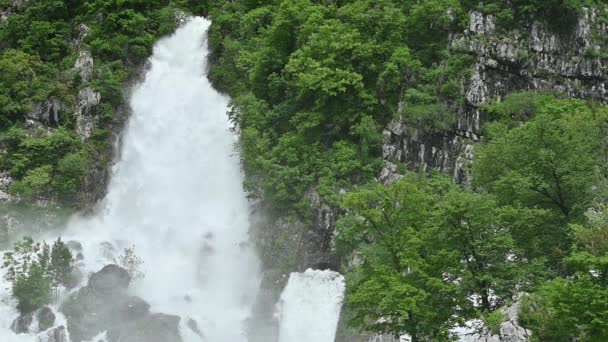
(84,65)
(531,57)
(510,330)
(86,116)
(10,9)
(45,114)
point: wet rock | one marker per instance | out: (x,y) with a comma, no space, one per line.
(111,278)
(108,250)
(104,305)
(152,328)
(58,334)
(46,318)
(22,324)
(134,308)
(194,327)
(74,246)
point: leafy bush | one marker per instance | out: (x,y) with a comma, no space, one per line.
(35,270)
(493,320)
(131,262)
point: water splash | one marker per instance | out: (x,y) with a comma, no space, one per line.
(310,306)
(176,194)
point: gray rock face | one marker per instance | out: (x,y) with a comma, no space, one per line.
(13,5)
(531,57)
(411,147)
(510,330)
(84,64)
(105,305)
(111,279)
(5,182)
(86,111)
(46,318)
(45,113)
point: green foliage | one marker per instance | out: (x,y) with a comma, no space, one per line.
(322,79)
(45,163)
(32,290)
(548,163)
(412,240)
(34,269)
(568,309)
(493,320)
(400,284)
(37,59)
(131,262)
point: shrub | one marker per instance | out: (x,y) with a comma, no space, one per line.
(35,270)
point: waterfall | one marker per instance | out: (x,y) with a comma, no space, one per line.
(176,195)
(310,306)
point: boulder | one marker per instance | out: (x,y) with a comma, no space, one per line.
(105,305)
(151,328)
(111,278)
(57,335)
(46,318)
(22,324)
(74,246)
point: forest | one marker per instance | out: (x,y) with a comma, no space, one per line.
(313,83)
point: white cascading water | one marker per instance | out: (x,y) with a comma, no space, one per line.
(176,195)
(309,308)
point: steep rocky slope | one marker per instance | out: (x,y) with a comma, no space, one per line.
(531,57)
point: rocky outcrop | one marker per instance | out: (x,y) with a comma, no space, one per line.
(45,318)
(57,334)
(105,305)
(86,111)
(13,5)
(411,147)
(45,114)
(287,244)
(22,323)
(531,57)
(509,330)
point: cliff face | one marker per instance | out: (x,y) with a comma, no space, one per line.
(531,57)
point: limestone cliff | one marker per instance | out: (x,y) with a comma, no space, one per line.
(530,57)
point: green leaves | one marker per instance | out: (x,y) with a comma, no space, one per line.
(549,162)
(34,269)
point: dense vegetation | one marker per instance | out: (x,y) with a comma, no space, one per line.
(313,83)
(36,270)
(536,222)
(38,49)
